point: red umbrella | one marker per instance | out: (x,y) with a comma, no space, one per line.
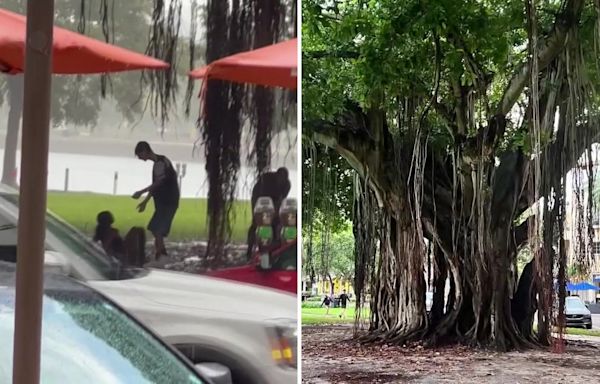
(72,53)
(35,47)
(275,65)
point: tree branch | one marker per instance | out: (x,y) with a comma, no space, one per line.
(551,47)
(460,109)
(348,134)
(482,78)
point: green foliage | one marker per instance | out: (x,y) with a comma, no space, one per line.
(332,193)
(342,252)
(358,50)
(524,256)
(318,316)
(334,256)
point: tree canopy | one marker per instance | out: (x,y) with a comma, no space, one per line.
(332,253)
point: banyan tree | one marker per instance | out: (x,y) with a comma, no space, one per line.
(462,121)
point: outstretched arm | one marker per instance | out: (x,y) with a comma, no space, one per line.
(160,179)
(142,206)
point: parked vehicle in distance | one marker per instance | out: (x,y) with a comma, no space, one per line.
(88,338)
(279,272)
(576,313)
(250,330)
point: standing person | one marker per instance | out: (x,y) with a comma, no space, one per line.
(164,190)
(275,185)
(327,303)
(343,302)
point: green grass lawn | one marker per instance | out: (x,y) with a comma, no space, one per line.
(576,331)
(312,314)
(582,332)
(80,210)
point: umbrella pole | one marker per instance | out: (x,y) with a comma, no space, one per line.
(32,200)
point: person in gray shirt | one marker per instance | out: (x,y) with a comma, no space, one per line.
(164,190)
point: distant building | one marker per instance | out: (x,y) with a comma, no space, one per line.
(323,286)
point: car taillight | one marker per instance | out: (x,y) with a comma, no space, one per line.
(284,344)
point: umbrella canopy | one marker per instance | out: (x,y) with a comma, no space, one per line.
(275,65)
(72,53)
(584,286)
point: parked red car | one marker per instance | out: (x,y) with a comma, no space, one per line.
(280,273)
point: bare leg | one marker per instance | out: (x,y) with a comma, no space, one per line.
(159,245)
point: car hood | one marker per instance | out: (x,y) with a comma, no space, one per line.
(201,293)
(578,311)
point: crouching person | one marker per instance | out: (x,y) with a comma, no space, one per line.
(129,251)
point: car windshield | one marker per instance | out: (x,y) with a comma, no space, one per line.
(574,303)
(85,338)
(86,260)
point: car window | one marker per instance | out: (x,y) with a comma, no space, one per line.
(287,260)
(85,257)
(75,244)
(574,303)
(87,339)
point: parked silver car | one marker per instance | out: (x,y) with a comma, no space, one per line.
(86,338)
(576,313)
(250,330)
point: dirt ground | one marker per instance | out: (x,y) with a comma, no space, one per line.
(190,257)
(329,356)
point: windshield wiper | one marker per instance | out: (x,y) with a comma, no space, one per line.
(6,227)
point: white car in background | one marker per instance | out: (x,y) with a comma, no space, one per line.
(251,330)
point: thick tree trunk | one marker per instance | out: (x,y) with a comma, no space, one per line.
(15,91)
(398,304)
(524,303)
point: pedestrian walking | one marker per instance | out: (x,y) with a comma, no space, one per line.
(344,298)
(327,303)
